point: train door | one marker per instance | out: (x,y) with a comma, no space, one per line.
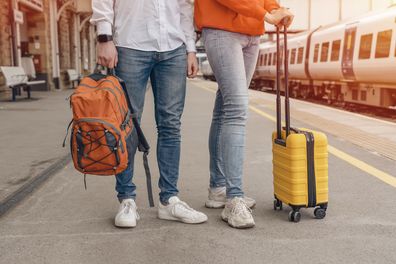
(347,56)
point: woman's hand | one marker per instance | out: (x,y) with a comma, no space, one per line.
(280,17)
(192,65)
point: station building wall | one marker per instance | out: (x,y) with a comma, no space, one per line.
(35,42)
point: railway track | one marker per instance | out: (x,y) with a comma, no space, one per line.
(376,112)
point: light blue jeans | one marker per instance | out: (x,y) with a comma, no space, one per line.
(233,58)
(167,72)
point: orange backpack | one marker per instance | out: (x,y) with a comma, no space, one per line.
(102,126)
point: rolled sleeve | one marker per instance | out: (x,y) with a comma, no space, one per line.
(190,44)
(103,16)
(104,28)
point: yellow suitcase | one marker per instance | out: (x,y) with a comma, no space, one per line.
(300,158)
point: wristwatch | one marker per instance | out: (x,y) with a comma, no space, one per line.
(104,38)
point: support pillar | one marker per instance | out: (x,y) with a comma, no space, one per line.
(17,54)
(54,43)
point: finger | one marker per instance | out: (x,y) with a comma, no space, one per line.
(114,62)
(195,71)
(291,20)
(196,68)
(110,63)
(102,62)
(190,70)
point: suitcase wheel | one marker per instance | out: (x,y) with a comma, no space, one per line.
(278,205)
(294,216)
(320,213)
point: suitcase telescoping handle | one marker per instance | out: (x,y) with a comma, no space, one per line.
(278,83)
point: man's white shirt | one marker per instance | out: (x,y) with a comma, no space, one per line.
(147,25)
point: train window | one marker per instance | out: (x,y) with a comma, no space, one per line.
(383,44)
(366,42)
(335,50)
(300,55)
(324,56)
(293,56)
(316,54)
(265,59)
(269,59)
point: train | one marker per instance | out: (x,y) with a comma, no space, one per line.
(349,62)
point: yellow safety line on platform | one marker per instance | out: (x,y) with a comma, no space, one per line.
(383,176)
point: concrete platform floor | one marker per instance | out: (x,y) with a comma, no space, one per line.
(63,223)
(31,133)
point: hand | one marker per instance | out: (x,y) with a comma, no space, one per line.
(107,54)
(192,65)
(280,17)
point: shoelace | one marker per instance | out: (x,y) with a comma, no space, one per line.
(183,206)
(128,209)
(240,208)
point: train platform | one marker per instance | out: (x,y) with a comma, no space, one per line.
(61,222)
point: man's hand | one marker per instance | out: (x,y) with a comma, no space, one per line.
(192,65)
(107,54)
(280,17)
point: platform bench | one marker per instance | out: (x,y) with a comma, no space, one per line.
(17,79)
(73,77)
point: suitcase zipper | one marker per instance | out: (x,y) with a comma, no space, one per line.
(310,165)
(311,169)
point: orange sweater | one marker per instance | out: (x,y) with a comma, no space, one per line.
(241,16)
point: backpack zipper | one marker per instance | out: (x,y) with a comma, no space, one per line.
(122,111)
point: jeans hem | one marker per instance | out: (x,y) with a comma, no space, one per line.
(232,196)
(165,198)
(121,198)
(214,186)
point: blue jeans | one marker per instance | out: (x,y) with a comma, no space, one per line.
(233,58)
(167,72)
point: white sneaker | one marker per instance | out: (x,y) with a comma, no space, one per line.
(238,214)
(127,215)
(217,199)
(178,210)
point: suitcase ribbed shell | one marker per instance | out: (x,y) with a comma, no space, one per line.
(290,169)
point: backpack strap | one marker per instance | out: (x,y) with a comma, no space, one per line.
(143,144)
